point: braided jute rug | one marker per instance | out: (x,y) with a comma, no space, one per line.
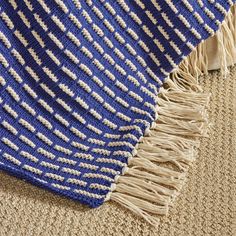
(99,101)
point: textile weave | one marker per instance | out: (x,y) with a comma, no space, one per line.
(79,82)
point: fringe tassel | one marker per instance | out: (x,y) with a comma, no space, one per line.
(226,45)
(157,172)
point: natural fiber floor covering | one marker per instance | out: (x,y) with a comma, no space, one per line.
(207,205)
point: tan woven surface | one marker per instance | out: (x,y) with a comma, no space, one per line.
(207,205)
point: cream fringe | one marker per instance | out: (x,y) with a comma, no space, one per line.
(157,172)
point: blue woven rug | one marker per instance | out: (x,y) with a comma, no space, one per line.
(79,85)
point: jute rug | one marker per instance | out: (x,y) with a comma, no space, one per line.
(207,205)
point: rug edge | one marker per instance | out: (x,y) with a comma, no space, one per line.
(146,188)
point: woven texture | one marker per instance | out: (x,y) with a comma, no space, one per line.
(79,83)
(205,207)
